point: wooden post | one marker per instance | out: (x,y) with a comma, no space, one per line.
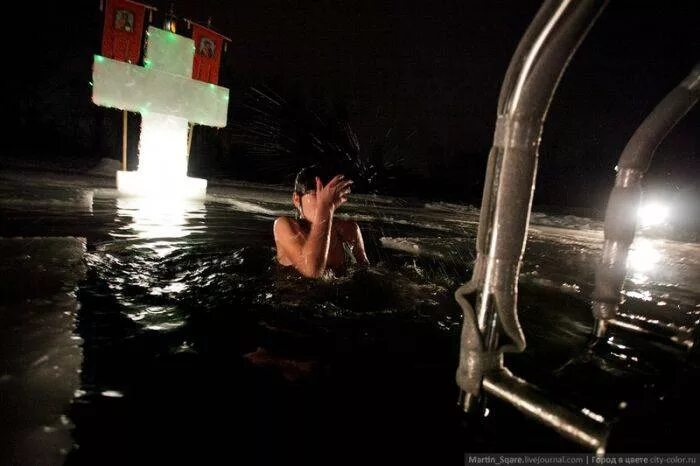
(124,139)
(189,139)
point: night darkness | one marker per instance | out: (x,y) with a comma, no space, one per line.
(408,86)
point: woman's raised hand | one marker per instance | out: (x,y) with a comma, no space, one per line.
(334,193)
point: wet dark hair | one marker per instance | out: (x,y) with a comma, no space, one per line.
(306,179)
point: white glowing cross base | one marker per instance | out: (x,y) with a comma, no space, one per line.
(167,98)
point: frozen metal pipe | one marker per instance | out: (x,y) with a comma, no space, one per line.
(682,340)
(621,212)
(585,427)
(530,82)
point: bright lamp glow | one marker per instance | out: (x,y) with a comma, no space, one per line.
(653,213)
(162,171)
(164,191)
(163,148)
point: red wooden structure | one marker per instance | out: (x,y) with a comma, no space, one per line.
(209,46)
(123,30)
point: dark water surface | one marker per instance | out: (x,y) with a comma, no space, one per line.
(199,348)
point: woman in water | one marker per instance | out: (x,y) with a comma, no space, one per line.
(316,242)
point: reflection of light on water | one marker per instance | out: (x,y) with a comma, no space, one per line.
(161,223)
(165,326)
(159,217)
(161,248)
(174,288)
(643,295)
(643,257)
(158,317)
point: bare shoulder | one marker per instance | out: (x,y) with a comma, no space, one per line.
(344,223)
(348,228)
(285,224)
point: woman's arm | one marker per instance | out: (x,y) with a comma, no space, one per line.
(309,256)
(353,235)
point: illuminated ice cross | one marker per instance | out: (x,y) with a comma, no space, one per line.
(163,92)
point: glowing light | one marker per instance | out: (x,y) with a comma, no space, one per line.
(167,98)
(140,184)
(163,150)
(653,213)
(162,171)
(643,256)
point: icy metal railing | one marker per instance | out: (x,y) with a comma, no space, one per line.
(530,82)
(583,427)
(623,204)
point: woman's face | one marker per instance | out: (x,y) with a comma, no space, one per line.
(307,201)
